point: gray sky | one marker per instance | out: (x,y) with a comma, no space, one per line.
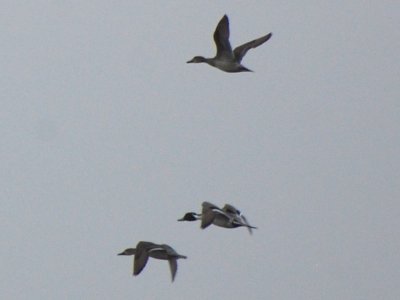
(108,137)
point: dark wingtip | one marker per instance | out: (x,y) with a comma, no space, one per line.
(225,19)
(244,69)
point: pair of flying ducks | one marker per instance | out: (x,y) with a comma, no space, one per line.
(227,217)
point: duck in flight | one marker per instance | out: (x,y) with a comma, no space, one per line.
(226,59)
(144,250)
(227,217)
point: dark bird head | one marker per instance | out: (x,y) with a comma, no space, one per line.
(190,216)
(129,251)
(197,59)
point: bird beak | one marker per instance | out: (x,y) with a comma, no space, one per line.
(189,61)
(181,219)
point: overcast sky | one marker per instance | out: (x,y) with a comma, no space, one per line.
(108,137)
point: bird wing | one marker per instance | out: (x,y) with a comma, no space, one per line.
(241,50)
(247,224)
(169,250)
(173,266)
(221,38)
(141,256)
(207,214)
(207,218)
(230,209)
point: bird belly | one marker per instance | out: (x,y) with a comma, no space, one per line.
(226,65)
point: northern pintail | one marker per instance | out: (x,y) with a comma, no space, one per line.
(144,250)
(227,217)
(226,59)
(233,211)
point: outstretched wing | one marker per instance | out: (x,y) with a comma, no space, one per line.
(241,50)
(173,266)
(221,38)
(207,214)
(141,256)
(140,262)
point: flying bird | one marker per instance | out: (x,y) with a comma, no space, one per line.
(226,59)
(227,217)
(144,250)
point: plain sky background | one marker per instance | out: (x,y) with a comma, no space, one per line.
(108,137)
